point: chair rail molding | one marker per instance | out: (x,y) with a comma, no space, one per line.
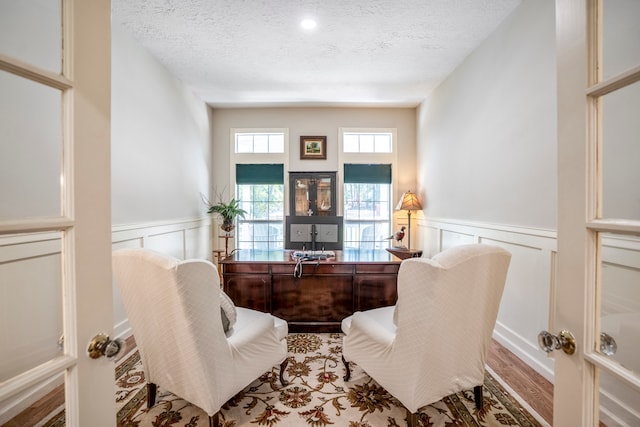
(528,295)
(38,252)
(527,305)
(182,238)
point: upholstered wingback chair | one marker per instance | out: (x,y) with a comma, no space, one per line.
(178,315)
(434,341)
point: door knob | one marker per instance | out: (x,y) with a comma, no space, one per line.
(608,345)
(564,340)
(102,345)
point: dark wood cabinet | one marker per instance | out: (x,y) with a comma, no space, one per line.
(251,290)
(318,300)
(327,291)
(312,223)
(375,285)
(312,193)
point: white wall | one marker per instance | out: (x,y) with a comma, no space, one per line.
(161,145)
(161,158)
(487,166)
(315,121)
(495,117)
(487,171)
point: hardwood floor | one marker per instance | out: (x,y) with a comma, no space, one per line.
(39,410)
(531,386)
(45,406)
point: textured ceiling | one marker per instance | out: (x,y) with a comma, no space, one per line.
(366,53)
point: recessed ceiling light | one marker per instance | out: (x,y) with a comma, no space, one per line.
(308,24)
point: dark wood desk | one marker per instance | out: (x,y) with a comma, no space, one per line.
(328,291)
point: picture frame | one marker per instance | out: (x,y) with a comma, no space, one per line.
(313,147)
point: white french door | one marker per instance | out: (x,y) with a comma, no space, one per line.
(598,275)
(55,214)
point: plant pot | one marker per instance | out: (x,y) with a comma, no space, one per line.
(227,225)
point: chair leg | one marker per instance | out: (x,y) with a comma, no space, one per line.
(283,367)
(151,394)
(214,420)
(477,395)
(347,375)
(412,419)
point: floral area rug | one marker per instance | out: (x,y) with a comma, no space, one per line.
(316,396)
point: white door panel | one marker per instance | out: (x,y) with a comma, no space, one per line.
(598,278)
(55,227)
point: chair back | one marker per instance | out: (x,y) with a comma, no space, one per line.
(173,308)
(446,311)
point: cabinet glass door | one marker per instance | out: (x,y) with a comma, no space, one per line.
(302,196)
(313,193)
(323,197)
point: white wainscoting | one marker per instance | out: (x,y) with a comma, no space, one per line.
(31,276)
(528,298)
(181,239)
(528,295)
(525,308)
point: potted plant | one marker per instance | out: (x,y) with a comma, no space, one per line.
(228,211)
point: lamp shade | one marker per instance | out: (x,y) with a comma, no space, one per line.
(409,201)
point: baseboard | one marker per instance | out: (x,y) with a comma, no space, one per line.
(122,329)
(524,351)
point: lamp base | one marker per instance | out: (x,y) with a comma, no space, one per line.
(409,229)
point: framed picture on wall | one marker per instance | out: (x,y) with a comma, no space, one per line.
(313,147)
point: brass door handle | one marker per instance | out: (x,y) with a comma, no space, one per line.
(564,340)
(102,345)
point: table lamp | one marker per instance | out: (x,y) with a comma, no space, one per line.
(409,202)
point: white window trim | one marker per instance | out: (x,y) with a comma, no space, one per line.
(244,158)
(368,158)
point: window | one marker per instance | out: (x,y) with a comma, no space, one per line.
(367,205)
(259,158)
(374,142)
(368,159)
(262,142)
(260,189)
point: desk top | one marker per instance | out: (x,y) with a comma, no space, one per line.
(355,256)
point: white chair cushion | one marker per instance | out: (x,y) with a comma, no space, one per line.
(346,324)
(382,316)
(282,327)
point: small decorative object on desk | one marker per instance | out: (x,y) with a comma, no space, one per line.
(398,236)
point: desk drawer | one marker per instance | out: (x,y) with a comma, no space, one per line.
(313,268)
(312,298)
(377,268)
(246,267)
